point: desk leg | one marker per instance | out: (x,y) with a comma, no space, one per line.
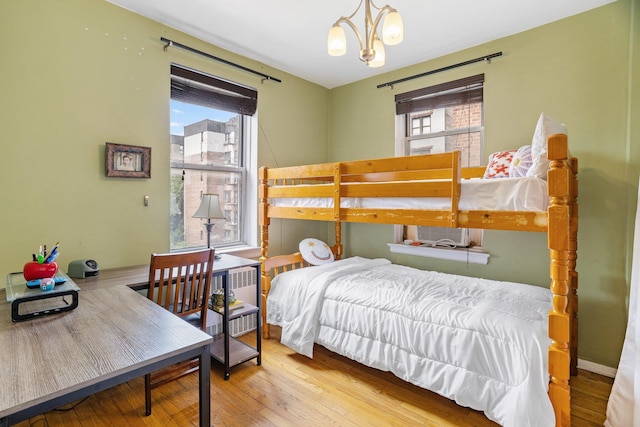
(205,386)
(259,315)
(225,324)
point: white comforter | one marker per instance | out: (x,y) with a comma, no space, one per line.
(481,343)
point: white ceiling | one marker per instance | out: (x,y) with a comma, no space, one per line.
(291,35)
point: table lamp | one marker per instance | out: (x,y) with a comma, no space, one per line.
(209,209)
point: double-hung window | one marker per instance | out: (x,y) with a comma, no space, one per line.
(210,137)
(439,119)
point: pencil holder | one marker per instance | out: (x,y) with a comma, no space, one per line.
(34,270)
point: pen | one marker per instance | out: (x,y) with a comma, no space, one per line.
(52,256)
(54,253)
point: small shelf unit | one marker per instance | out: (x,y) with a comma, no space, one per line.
(226,349)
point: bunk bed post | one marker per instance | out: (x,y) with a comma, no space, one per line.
(573,255)
(337,196)
(562,231)
(263,218)
(338,247)
(456,175)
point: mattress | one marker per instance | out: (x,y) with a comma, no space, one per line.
(481,343)
(504,194)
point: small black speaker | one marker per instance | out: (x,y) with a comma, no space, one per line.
(82,268)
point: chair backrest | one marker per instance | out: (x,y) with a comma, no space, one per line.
(181,282)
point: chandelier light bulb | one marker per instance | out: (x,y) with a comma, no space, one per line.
(378,60)
(392,29)
(337,41)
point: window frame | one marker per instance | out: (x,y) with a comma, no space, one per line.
(425,101)
(246,242)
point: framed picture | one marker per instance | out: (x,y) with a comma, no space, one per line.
(128,161)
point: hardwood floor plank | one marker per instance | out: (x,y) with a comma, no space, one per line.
(293,390)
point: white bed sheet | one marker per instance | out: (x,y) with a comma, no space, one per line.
(481,343)
(504,194)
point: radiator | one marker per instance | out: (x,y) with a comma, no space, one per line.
(443,236)
(242,282)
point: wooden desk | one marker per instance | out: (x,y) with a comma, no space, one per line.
(113,336)
(137,276)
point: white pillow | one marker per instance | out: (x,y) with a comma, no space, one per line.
(545,128)
(315,252)
(521,162)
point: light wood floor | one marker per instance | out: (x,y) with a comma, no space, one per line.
(292,390)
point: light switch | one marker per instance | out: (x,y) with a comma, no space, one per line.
(146,200)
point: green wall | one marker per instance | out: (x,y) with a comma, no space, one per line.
(79,73)
(578,71)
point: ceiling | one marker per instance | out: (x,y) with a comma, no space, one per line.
(291,35)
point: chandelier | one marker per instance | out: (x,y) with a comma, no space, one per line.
(372,50)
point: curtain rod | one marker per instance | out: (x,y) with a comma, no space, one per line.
(215,58)
(449,67)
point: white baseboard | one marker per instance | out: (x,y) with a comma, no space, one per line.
(596,368)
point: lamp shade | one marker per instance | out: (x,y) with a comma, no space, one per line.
(392,29)
(337,41)
(378,60)
(209,207)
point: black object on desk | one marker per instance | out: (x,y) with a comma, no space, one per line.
(28,303)
(82,268)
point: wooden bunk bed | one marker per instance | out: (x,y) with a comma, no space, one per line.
(438,176)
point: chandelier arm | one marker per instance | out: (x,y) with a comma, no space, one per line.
(353,27)
(374,5)
(354,12)
(374,27)
(369,28)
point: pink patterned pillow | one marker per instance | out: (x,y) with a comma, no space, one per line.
(521,162)
(499,163)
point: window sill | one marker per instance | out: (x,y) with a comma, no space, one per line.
(243,251)
(251,252)
(474,256)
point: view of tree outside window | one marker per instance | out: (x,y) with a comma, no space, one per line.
(206,158)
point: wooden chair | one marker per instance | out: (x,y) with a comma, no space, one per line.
(181,283)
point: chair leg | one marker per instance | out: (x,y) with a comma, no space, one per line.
(147,394)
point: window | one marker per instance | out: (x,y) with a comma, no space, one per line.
(420,123)
(211,133)
(439,119)
(443,118)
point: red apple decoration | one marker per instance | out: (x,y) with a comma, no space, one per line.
(34,270)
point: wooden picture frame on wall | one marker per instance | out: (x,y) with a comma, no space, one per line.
(127,161)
